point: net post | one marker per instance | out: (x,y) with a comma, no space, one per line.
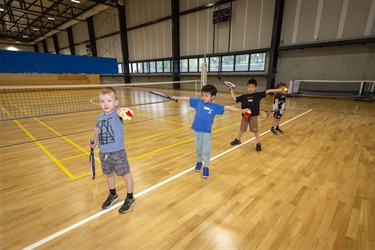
(361,88)
(204,72)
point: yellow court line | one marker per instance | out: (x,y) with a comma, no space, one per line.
(179,143)
(57,133)
(171,131)
(63,168)
(160,149)
(87,153)
(177,123)
(53,130)
(73,157)
(155,135)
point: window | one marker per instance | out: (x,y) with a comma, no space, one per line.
(167,66)
(159,66)
(152,67)
(184,65)
(193,65)
(224,63)
(119,68)
(214,64)
(140,67)
(228,63)
(146,67)
(134,68)
(242,63)
(257,62)
(201,62)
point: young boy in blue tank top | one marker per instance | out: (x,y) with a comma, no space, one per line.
(202,124)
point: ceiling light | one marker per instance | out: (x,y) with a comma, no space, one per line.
(51,18)
(25,36)
(18,42)
(75,1)
(35,29)
(1,9)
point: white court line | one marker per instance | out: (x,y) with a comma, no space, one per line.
(80,223)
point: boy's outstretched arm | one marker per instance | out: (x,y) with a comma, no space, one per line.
(232,94)
(234,109)
(181,98)
(273,91)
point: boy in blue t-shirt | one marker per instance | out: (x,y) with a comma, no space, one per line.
(203,120)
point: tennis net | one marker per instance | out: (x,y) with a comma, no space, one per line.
(18,102)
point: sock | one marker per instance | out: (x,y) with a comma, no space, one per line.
(129,195)
(112,191)
(272,127)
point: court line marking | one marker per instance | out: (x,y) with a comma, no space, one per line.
(53,158)
(44,149)
(88,219)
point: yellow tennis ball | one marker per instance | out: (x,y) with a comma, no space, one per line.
(285,89)
(127,114)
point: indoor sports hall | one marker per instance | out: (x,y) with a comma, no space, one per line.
(311,187)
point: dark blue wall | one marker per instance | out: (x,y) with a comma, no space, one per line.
(33,62)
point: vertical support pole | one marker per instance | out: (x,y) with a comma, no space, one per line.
(56,44)
(91,29)
(124,40)
(175,7)
(275,41)
(71,41)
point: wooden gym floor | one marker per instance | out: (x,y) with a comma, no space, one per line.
(312,187)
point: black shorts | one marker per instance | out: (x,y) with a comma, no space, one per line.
(278,114)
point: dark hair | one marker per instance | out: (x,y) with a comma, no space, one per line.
(280,84)
(210,89)
(252,81)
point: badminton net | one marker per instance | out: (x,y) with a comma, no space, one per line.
(18,102)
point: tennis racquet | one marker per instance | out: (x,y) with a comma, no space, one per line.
(229,85)
(163,95)
(92,160)
(263,114)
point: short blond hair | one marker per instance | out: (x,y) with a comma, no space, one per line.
(108,90)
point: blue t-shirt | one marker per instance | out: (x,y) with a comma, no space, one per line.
(205,114)
(111,133)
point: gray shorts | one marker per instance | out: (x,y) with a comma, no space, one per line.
(115,161)
(251,122)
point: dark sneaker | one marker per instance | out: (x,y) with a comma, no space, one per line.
(110,200)
(206,172)
(258,147)
(235,142)
(198,166)
(278,130)
(272,131)
(128,203)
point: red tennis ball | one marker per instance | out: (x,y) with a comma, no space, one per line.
(247,114)
(127,114)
